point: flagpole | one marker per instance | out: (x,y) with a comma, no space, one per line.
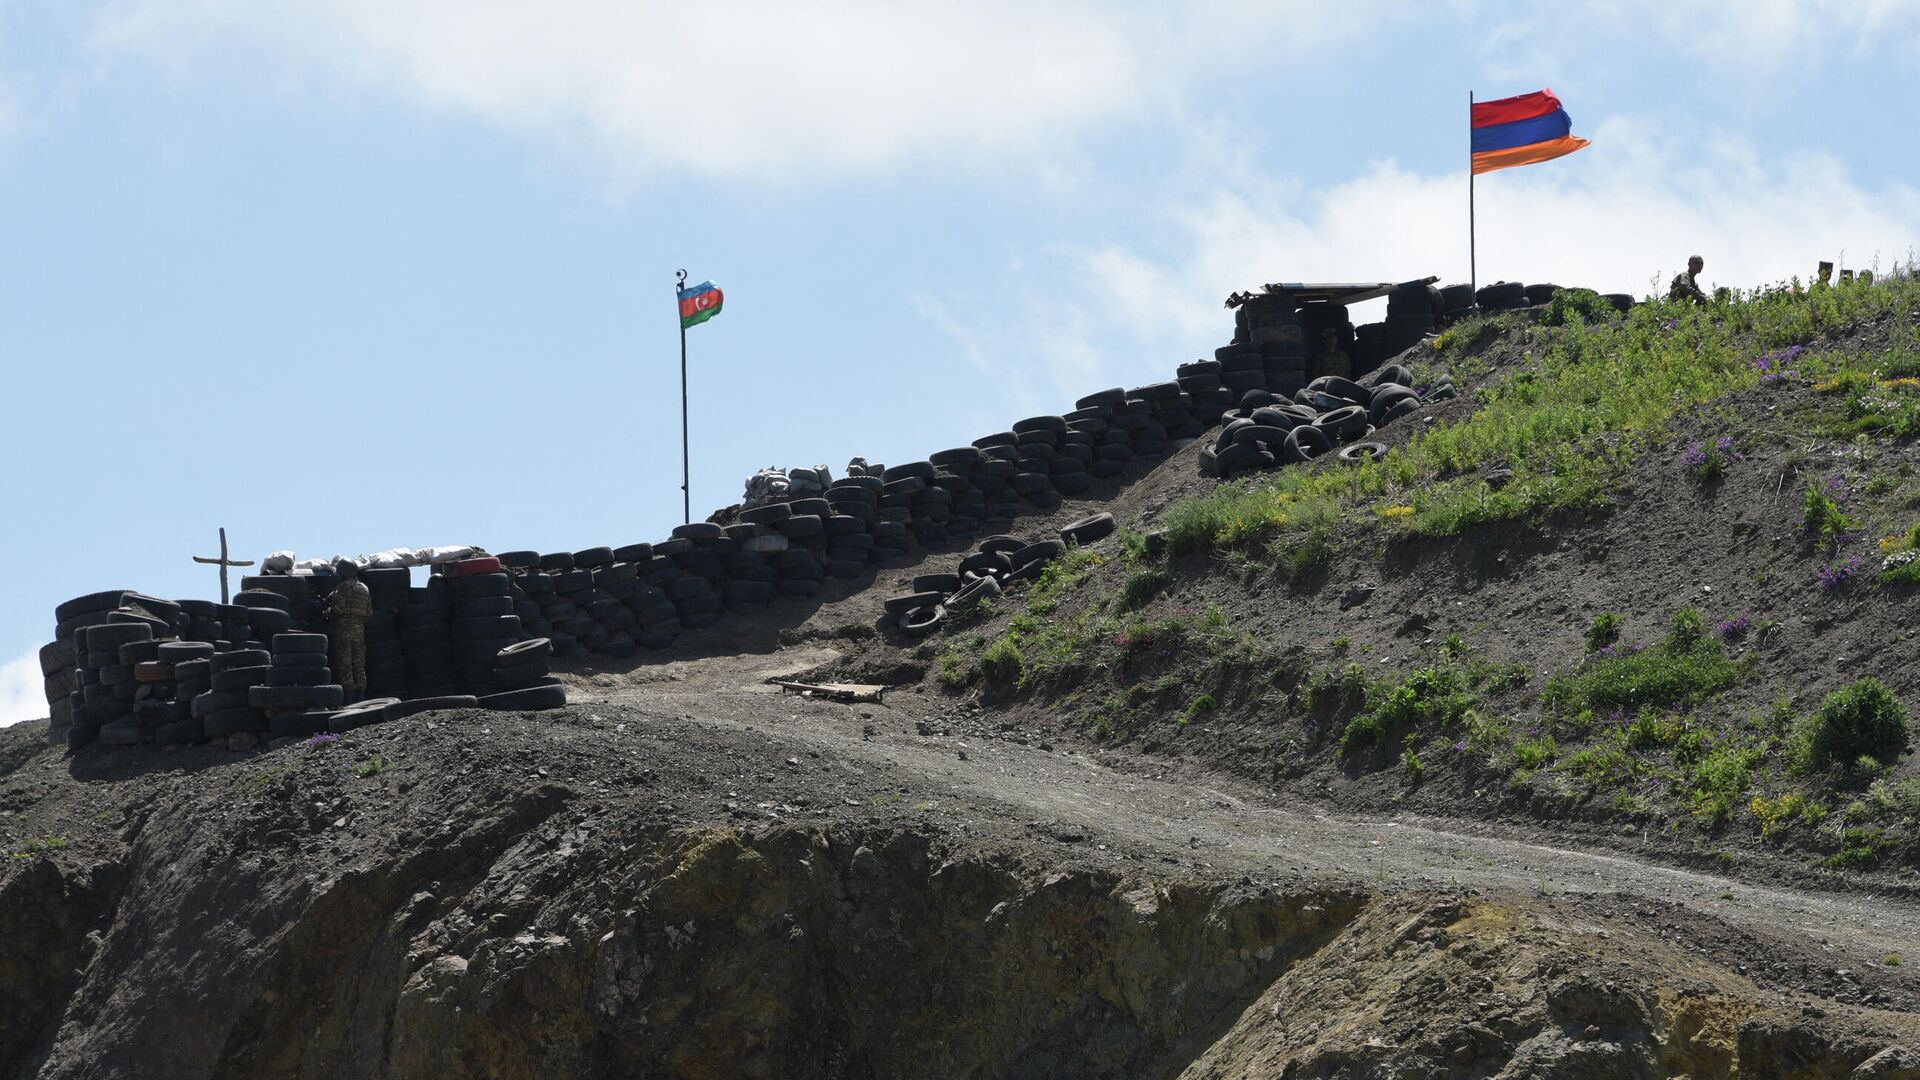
(686,493)
(1473,263)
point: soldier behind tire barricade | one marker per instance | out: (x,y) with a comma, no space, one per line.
(1331,359)
(348,610)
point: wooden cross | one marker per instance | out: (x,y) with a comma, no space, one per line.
(223,562)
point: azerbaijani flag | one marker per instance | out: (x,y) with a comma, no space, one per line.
(700,303)
(1524,130)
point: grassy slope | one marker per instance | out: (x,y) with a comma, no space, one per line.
(1665,736)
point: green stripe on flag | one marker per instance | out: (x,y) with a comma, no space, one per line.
(699,317)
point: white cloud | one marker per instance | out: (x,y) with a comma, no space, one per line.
(1622,219)
(1773,43)
(759,88)
(22,691)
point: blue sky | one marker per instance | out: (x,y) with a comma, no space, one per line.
(350,275)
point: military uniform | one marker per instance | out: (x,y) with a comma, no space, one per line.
(348,610)
(1335,362)
(1685,288)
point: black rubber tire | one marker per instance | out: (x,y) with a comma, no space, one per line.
(1088,529)
(240,678)
(1385,395)
(1044,551)
(1393,373)
(179,652)
(973,594)
(299,644)
(1005,545)
(696,530)
(1339,387)
(1355,453)
(987,561)
(1397,410)
(900,605)
(233,721)
(301,725)
(328,696)
(770,514)
(523,652)
(936,583)
(108,637)
(550,695)
(922,621)
(1342,424)
(81,605)
(56,657)
(1304,444)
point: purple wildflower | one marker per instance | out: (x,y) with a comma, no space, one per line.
(1695,456)
(1460,743)
(1833,576)
(1620,649)
(1836,488)
(1732,628)
(325,738)
(1670,324)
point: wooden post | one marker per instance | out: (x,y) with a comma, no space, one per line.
(223,562)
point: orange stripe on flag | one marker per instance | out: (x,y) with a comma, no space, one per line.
(1530,154)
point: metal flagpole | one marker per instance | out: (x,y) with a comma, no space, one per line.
(686,493)
(1473,259)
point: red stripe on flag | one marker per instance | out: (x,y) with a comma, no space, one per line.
(1507,110)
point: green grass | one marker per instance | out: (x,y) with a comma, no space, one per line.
(40,845)
(1432,697)
(1684,669)
(373,766)
(1141,587)
(1588,400)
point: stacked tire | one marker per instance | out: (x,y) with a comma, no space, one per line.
(1329,414)
(391,591)
(192,676)
(227,708)
(1502,296)
(696,550)
(109,676)
(1414,310)
(1457,303)
(299,696)
(269,604)
(483,621)
(425,630)
(522,681)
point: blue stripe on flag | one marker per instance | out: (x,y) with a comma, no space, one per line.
(1554,125)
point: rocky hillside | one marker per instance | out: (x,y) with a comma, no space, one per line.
(1567,737)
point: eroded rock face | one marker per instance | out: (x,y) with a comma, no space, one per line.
(808,955)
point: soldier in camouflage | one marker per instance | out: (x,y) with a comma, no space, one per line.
(348,610)
(1684,286)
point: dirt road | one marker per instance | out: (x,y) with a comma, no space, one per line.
(1214,824)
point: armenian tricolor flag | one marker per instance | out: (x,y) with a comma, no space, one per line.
(1522,130)
(699,303)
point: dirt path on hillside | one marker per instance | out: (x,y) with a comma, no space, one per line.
(1218,826)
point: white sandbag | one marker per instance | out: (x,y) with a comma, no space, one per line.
(280,562)
(434,556)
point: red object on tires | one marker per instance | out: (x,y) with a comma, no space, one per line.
(485,564)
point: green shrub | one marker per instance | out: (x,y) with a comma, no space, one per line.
(1573,307)
(1862,719)
(1687,629)
(1141,587)
(1603,631)
(1435,695)
(1820,516)
(1202,704)
(1717,778)
(1534,753)
(1002,661)
(1858,848)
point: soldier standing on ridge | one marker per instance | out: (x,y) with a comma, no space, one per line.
(348,610)
(1685,287)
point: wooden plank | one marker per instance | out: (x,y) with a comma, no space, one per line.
(836,691)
